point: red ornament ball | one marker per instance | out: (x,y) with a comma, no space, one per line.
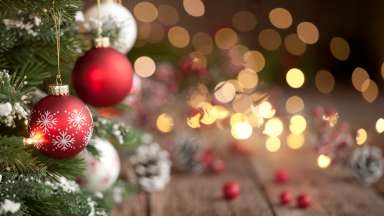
(286,197)
(102,77)
(60,126)
(281,176)
(231,190)
(304,201)
(217,166)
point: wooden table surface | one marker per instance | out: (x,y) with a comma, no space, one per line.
(334,191)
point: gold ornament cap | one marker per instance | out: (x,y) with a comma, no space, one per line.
(58,90)
(102,42)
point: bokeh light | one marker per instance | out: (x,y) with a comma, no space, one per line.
(178,36)
(272,144)
(225,92)
(339,48)
(359,76)
(297,124)
(236,53)
(273,127)
(325,82)
(164,123)
(244,21)
(168,15)
(295,141)
(238,118)
(280,18)
(323,161)
(248,78)
(242,103)
(308,32)
(295,78)
(372,91)
(255,60)
(144,66)
(294,104)
(380,125)
(361,136)
(194,121)
(294,45)
(269,39)
(226,38)
(145,11)
(241,130)
(194,8)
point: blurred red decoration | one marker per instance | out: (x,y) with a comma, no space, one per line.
(281,176)
(102,77)
(231,190)
(60,126)
(192,66)
(217,166)
(304,200)
(286,197)
(206,158)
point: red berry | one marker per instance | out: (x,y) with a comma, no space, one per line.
(304,200)
(286,197)
(281,176)
(231,190)
(217,166)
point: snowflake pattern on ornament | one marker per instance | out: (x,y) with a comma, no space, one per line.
(76,119)
(63,141)
(88,137)
(46,121)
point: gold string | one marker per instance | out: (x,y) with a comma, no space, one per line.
(57,23)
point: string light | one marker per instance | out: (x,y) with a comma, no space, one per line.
(164,123)
(273,144)
(241,130)
(380,125)
(361,136)
(323,161)
(295,78)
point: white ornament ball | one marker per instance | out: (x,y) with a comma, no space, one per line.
(115,18)
(101,172)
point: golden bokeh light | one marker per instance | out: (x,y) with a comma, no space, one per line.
(295,141)
(194,121)
(325,82)
(272,144)
(168,15)
(255,60)
(197,95)
(248,78)
(269,39)
(359,76)
(280,18)
(295,78)
(255,120)
(241,131)
(145,11)
(219,112)
(242,103)
(382,70)
(238,118)
(308,32)
(236,53)
(323,161)
(361,136)
(264,110)
(195,8)
(144,66)
(273,127)
(178,36)
(226,38)
(372,91)
(237,85)
(164,123)
(380,125)
(225,92)
(144,30)
(297,124)
(244,21)
(294,104)
(294,45)
(202,42)
(339,48)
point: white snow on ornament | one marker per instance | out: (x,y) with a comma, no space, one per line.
(63,141)
(46,121)
(8,206)
(5,109)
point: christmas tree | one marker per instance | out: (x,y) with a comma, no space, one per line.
(32,35)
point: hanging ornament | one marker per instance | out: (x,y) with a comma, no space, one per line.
(102,76)
(117,22)
(60,125)
(152,167)
(101,171)
(367,164)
